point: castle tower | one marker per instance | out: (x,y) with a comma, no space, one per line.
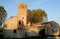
(22,13)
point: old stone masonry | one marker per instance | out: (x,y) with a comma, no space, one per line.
(17,27)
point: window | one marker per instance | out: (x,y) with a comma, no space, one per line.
(19,23)
(51,24)
(22,17)
(14,31)
(22,7)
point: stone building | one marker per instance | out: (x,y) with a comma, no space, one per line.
(14,22)
(17,27)
(51,29)
(14,26)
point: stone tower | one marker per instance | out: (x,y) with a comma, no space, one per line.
(22,13)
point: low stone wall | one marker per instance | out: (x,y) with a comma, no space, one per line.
(12,34)
(32,34)
(18,34)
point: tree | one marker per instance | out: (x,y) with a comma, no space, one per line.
(36,16)
(29,15)
(3,15)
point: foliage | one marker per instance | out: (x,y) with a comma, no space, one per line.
(36,16)
(2,11)
(3,14)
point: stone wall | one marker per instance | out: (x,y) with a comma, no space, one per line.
(14,34)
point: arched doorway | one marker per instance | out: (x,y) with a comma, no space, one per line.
(42,32)
(19,25)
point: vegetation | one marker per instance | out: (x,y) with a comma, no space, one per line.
(36,16)
(3,14)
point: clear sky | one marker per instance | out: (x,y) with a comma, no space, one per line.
(51,7)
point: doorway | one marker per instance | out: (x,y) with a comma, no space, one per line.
(42,32)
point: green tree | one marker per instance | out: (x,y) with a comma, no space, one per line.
(36,16)
(3,14)
(29,15)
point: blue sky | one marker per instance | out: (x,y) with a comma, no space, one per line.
(51,7)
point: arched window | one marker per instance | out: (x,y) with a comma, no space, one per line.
(19,23)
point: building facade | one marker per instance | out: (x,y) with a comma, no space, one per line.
(17,27)
(13,27)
